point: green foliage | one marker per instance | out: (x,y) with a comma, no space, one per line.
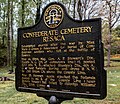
(116,31)
(116,40)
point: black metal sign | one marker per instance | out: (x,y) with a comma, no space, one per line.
(61,56)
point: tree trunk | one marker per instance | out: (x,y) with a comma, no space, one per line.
(109,34)
(9,35)
(38,13)
(109,49)
(79,9)
(74,9)
(23,13)
(11,26)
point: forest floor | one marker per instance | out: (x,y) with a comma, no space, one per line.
(9,95)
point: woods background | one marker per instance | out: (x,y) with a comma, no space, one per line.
(24,13)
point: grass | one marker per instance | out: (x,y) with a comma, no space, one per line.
(9,95)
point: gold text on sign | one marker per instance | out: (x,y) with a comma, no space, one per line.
(76,30)
(55,35)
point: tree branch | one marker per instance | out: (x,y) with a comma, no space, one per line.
(35,2)
(115,20)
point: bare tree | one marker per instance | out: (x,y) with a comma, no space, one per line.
(111,12)
(87,8)
(108,10)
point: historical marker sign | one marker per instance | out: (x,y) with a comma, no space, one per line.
(61,56)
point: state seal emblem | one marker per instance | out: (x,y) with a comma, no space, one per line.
(53,16)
